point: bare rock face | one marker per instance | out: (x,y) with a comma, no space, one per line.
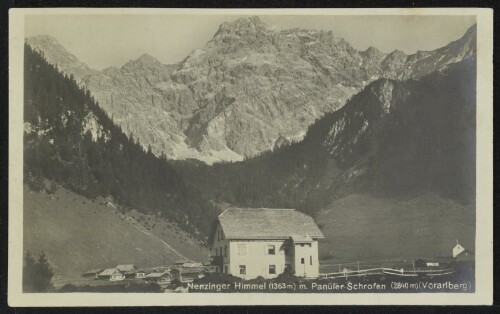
(249,88)
(56,54)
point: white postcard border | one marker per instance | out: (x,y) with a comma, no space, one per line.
(483,294)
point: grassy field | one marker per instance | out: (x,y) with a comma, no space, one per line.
(378,231)
(79,234)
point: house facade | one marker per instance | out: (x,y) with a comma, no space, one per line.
(460,254)
(162,278)
(457,249)
(253,242)
(112,274)
(140,273)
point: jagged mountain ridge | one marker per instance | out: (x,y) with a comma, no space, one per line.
(248,90)
(392,139)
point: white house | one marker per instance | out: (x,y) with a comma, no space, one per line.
(462,254)
(457,249)
(140,273)
(112,274)
(253,242)
(126,267)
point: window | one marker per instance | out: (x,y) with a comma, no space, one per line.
(225,269)
(243,269)
(272,269)
(225,251)
(311,260)
(302,261)
(242,249)
(271,250)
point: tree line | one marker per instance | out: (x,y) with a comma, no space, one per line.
(37,273)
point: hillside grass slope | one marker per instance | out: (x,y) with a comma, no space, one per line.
(78,234)
(365,227)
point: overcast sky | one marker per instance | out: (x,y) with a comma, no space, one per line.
(112,40)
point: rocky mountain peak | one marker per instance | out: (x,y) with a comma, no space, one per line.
(50,47)
(145,60)
(471,31)
(56,54)
(397,54)
(251,24)
(42,38)
(244,33)
(466,45)
(372,52)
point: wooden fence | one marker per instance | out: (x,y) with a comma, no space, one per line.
(384,270)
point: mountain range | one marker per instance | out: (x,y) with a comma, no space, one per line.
(250,89)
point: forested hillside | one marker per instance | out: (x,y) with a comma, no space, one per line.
(70,140)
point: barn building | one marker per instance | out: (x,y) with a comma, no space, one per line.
(128,270)
(253,242)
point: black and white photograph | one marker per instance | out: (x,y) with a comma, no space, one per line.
(203,156)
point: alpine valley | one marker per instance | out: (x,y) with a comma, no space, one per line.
(377,147)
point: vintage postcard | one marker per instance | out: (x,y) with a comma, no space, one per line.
(221,157)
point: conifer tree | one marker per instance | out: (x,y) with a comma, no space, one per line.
(28,272)
(37,275)
(43,274)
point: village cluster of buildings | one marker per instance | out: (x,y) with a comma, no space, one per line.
(182,270)
(250,243)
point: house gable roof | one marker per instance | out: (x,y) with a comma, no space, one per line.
(109,272)
(267,223)
(126,267)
